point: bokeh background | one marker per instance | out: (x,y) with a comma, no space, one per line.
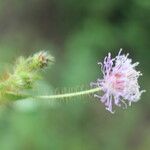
(79,33)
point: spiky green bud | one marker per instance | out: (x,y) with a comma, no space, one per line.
(26,72)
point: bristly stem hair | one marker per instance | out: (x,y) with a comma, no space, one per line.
(69,95)
(57,96)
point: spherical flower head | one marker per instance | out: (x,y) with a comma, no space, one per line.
(120,81)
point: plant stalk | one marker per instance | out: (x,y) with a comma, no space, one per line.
(67,95)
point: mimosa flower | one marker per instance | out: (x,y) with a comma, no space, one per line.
(120,81)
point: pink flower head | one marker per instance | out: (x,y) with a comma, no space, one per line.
(120,81)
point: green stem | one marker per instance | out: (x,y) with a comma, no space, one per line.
(18,96)
(67,95)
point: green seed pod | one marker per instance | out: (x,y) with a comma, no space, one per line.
(26,72)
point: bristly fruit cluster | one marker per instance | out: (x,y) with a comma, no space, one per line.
(26,72)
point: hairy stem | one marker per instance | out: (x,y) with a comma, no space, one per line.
(67,95)
(19,96)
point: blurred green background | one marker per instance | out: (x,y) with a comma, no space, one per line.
(79,33)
